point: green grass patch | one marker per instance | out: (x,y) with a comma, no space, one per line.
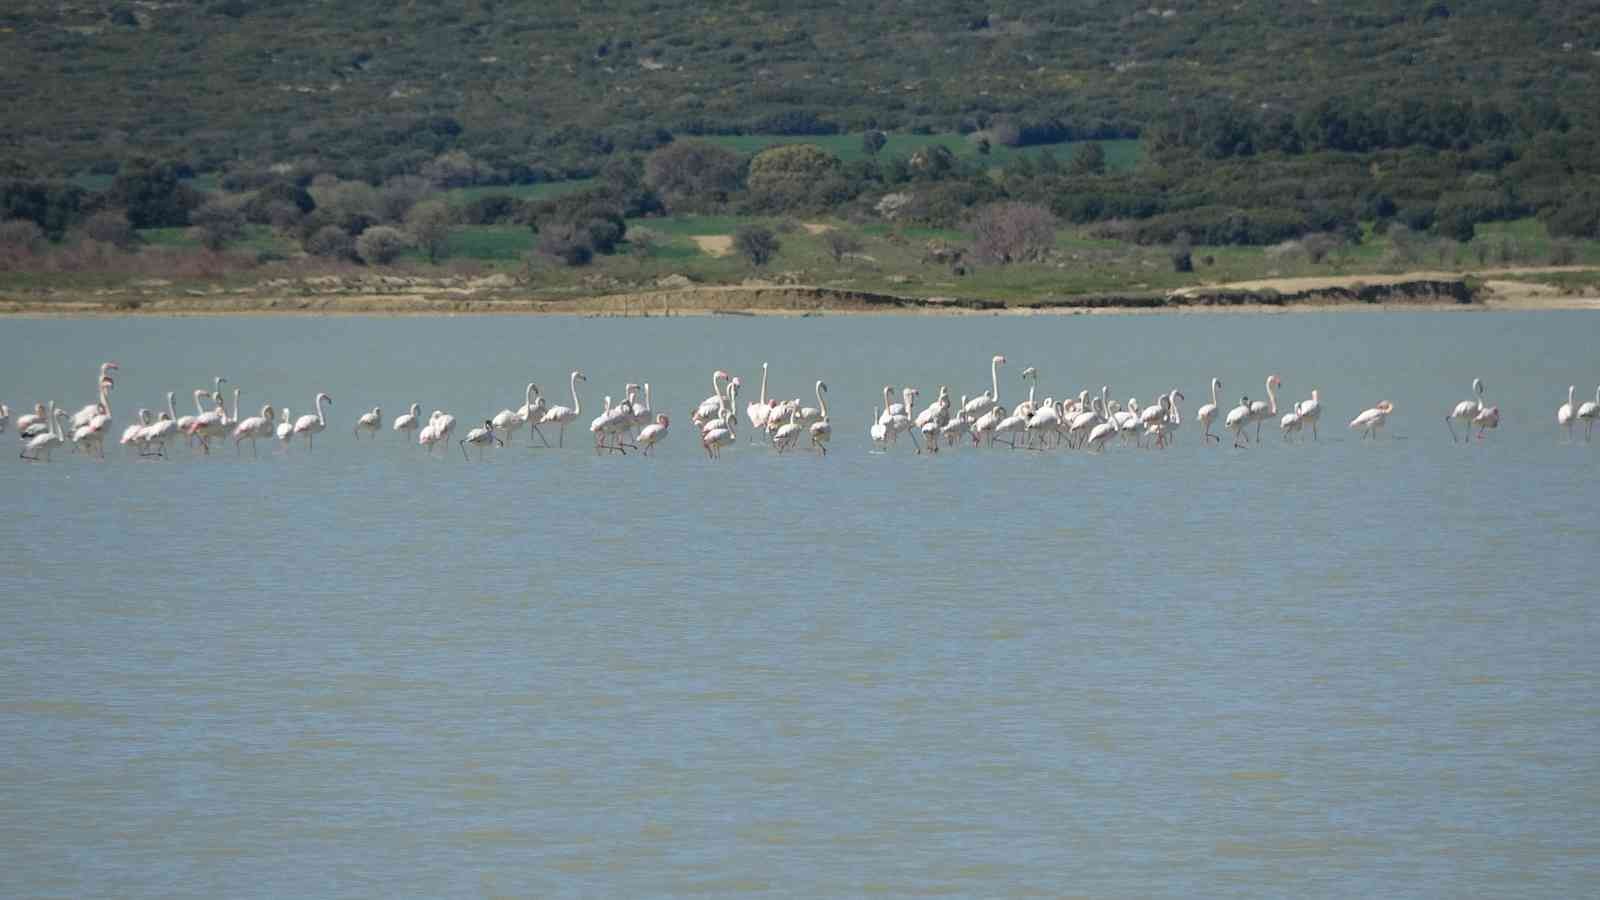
(543,190)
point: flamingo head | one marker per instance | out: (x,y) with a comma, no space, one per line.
(719,374)
(662,420)
(737,382)
(999,360)
(1386,406)
(822,386)
(1275,381)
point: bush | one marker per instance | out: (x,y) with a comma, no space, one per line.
(693,175)
(380,245)
(491,209)
(872,141)
(112,227)
(566,243)
(840,243)
(399,195)
(1182,254)
(1013,232)
(429,225)
(21,236)
(756,243)
(217,224)
(332,242)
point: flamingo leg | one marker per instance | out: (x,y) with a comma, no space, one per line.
(1450,425)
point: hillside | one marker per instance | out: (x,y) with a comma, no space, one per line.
(542,90)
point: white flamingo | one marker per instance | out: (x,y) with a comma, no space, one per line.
(161,431)
(879,432)
(1208,413)
(757,410)
(1567,412)
(1487,418)
(285,429)
(47,441)
(1373,419)
(562,415)
(719,435)
(131,434)
(407,423)
(1238,419)
(1588,412)
(985,401)
(37,417)
(1259,411)
(310,425)
(788,434)
(1027,408)
(1292,422)
(959,425)
(822,429)
(253,427)
(5,417)
(507,421)
(709,407)
(371,423)
(213,423)
(653,434)
(1311,411)
(1466,410)
(82,416)
(479,437)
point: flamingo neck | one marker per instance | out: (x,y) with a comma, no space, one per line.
(763,384)
(577,406)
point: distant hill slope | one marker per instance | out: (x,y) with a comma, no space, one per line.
(554,85)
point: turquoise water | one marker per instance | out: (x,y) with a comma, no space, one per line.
(1336,669)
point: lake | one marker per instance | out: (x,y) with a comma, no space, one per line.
(1336,669)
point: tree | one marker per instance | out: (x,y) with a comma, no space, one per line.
(566,243)
(1009,232)
(399,194)
(642,242)
(429,225)
(756,243)
(217,223)
(111,226)
(456,168)
(872,141)
(839,243)
(380,245)
(792,176)
(331,241)
(153,195)
(1182,252)
(694,175)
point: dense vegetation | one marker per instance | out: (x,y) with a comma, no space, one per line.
(1250,124)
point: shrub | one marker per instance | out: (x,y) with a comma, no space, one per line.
(1013,232)
(332,242)
(429,225)
(112,227)
(566,243)
(380,245)
(21,236)
(217,224)
(839,243)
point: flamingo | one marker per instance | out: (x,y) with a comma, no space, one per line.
(1466,410)
(758,409)
(1081,424)
(653,434)
(957,426)
(1165,430)
(5,417)
(937,412)
(1206,414)
(37,417)
(1027,408)
(163,430)
(1260,411)
(1011,425)
(371,423)
(1292,422)
(1487,418)
(478,437)
(309,425)
(983,429)
(1373,419)
(709,407)
(256,426)
(1567,411)
(822,430)
(1100,435)
(1238,418)
(430,433)
(131,434)
(1311,411)
(214,423)
(285,429)
(788,434)
(508,420)
(531,412)
(1045,422)
(91,432)
(408,422)
(879,432)
(49,440)
(614,421)
(719,435)
(1588,412)
(561,415)
(985,401)
(82,416)
(199,408)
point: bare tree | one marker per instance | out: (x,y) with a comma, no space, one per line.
(380,244)
(839,243)
(756,243)
(1013,232)
(217,223)
(110,226)
(429,225)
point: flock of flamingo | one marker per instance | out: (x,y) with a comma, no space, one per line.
(1085,421)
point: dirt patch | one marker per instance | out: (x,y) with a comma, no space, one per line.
(1327,282)
(816,228)
(714,244)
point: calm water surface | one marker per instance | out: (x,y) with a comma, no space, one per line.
(1338,669)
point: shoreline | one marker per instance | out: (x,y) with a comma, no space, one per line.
(1411,291)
